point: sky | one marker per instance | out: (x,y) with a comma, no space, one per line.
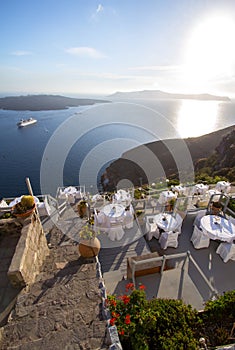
(88,47)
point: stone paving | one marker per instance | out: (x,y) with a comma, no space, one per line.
(62,309)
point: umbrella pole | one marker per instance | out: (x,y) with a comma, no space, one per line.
(31,193)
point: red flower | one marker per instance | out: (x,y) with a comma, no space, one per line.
(127,319)
(116,315)
(112,321)
(129,286)
(121,332)
(125,299)
(113,302)
(142,287)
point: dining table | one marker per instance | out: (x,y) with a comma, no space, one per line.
(218,228)
(223,186)
(166,221)
(200,188)
(113,210)
(166,196)
(115,220)
(179,189)
(123,196)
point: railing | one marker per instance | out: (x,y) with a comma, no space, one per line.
(164,258)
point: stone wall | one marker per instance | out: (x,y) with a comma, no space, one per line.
(30,253)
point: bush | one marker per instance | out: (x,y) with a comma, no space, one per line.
(218,318)
(156,324)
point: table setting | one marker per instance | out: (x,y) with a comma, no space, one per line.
(200,189)
(166,221)
(218,228)
(166,196)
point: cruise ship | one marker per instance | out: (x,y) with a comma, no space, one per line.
(26,122)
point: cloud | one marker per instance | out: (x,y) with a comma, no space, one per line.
(85,52)
(160,68)
(100,8)
(21,53)
(97,13)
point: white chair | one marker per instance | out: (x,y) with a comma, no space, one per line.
(151,228)
(226,251)
(198,217)
(128,219)
(44,208)
(71,198)
(169,239)
(100,222)
(231,219)
(199,239)
(179,221)
(62,194)
(4,208)
(78,194)
(115,232)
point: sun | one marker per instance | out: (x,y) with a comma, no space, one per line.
(210,53)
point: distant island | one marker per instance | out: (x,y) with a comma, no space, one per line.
(158,94)
(44,102)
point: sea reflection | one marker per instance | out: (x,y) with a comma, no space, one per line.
(197,118)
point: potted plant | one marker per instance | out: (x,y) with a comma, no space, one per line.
(89,244)
(25,207)
(216,208)
(170,205)
(82,208)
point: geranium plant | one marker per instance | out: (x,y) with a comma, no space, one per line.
(152,324)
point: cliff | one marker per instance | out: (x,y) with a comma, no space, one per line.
(212,154)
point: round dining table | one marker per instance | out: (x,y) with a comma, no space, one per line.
(218,228)
(166,196)
(165,221)
(200,188)
(179,189)
(113,210)
(223,186)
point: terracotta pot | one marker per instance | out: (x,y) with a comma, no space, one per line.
(89,248)
(82,210)
(23,215)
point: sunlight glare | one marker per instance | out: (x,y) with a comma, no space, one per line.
(197,118)
(210,52)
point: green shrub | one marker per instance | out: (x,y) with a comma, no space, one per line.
(161,324)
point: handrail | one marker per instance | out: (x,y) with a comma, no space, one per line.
(187,255)
(202,274)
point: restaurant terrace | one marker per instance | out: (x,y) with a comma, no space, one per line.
(177,241)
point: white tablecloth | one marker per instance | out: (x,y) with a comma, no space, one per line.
(165,221)
(70,190)
(200,188)
(223,186)
(113,210)
(166,196)
(122,196)
(217,227)
(179,189)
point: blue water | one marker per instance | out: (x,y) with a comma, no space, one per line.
(86,139)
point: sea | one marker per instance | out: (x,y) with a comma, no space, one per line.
(73,146)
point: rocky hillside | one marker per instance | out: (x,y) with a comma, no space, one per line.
(222,161)
(212,154)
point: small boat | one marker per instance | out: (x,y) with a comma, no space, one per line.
(26,122)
